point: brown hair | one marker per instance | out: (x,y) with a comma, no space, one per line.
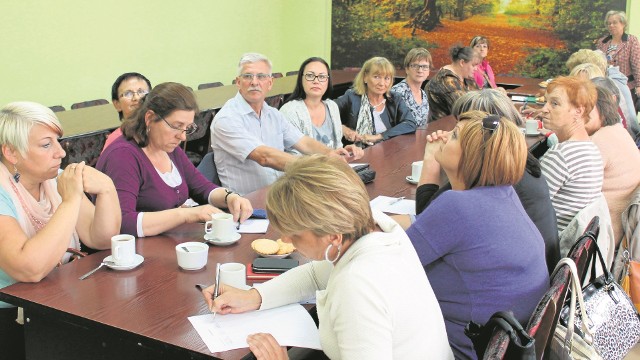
(162,100)
(581,92)
(417,54)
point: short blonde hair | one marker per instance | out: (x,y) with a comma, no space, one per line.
(584,56)
(375,65)
(588,69)
(17,119)
(500,160)
(321,194)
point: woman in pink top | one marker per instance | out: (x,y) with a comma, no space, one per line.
(126,93)
(484,73)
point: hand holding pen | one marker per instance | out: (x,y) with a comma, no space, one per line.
(230,300)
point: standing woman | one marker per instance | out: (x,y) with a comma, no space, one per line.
(417,64)
(44,218)
(452,81)
(622,49)
(484,73)
(370,113)
(152,173)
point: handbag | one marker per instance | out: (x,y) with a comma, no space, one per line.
(521,345)
(566,343)
(627,268)
(614,321)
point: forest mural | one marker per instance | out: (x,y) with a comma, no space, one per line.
(532,38)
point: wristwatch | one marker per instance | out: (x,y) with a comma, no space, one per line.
(229,192)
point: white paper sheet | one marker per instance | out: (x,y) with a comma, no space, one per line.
(392,205)
(290,325)
(254,226)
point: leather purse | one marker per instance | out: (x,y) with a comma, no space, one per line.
(521,345)
(614,321)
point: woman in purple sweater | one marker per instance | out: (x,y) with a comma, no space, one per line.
(480,250)
(152,174)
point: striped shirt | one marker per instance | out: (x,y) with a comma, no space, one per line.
(574,173)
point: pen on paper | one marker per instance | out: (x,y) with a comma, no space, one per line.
(394,201)
(216,288)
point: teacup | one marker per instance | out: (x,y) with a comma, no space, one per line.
(233,274)
(532,127)
(192,255)
(416,170)
(221,227)
(123,249)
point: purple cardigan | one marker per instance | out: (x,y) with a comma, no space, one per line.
(139,186)
(484,67)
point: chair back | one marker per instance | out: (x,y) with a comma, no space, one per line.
(545,317)
(57,108)
(275,101)
(85,148)
(291,73)
(277,75)
(209,85)
(198,142)
(584,249)
(89,103)
(208,168)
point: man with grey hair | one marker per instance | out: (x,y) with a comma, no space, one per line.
(248,137)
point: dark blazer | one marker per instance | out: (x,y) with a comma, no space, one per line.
(397,117)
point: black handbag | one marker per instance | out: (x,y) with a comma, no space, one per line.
(521,345)
(365,173)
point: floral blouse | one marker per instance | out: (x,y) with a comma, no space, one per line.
(420,112)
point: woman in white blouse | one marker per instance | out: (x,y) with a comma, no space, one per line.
(373,298)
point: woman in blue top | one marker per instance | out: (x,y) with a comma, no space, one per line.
(480,250)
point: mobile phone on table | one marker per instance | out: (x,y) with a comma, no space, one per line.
(273,265)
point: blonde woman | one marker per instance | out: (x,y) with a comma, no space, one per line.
(370,112)
(321,206)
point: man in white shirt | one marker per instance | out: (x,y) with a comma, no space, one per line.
(248,137)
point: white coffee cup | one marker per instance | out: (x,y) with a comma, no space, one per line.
(532,127)
(233,274)
(192,255)
(416,170)
(123,249)
(221,226)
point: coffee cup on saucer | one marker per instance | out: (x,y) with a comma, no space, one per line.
(233,274)
(123,249)
(221,227)
(531,127)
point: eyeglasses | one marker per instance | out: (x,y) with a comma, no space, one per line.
(260,77)
(129,93)
(190,129)
(312,77)
(419,67)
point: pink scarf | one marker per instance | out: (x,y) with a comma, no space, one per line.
(33,215)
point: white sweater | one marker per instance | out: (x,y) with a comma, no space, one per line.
(376,303)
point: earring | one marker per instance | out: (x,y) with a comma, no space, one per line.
(16,175)
(326,253)
(148,130)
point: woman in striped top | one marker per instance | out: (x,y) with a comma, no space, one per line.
(573,167)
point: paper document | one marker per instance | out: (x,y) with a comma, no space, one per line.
(290,325)
(254,226)
(394,205)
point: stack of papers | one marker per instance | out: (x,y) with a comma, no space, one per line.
(394,205)
(254,226)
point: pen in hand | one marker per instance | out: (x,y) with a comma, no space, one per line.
(216,288)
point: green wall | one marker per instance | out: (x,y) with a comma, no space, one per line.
(64,51)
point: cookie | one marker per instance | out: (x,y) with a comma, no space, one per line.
(265,246)
(284,248)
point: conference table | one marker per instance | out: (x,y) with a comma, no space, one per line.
(142,313)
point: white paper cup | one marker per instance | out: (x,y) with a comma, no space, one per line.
(416,170)
(233,274)
(192,255)
(123,249)
(532,127)
(221,227)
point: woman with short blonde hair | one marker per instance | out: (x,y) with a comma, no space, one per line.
(369,111)
(587,71)
(321,206)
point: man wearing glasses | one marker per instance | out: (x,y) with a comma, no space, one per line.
(248,137)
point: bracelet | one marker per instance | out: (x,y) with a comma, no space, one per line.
(229,192)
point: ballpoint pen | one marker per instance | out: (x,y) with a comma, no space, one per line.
(216,288)
(396,200)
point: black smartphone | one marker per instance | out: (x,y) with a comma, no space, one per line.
(273,265)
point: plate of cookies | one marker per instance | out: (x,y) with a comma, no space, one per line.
(272,248)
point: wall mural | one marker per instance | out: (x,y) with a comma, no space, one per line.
(532,38)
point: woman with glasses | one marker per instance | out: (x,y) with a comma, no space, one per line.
(479,248)
(309,109)
(152,173)
(417,64)
(452,81)
(126,93)
(373,298)
(370,112)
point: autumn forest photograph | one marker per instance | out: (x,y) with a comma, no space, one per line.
(531,38)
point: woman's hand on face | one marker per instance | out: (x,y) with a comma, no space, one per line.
(231,300)
(239,207)
(70,182)
(95,182)
(265,347)
(200,213)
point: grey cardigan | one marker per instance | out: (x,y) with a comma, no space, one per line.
(296,112)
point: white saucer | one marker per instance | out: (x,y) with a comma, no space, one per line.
(211,240)
(275,256)
(137,260)
(411,180)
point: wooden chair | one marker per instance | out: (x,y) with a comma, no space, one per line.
(85,148)
(209,85)
(198,141)
(291,73)
(89,103)
(57,108)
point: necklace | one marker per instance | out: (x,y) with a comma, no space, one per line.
(382,102)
